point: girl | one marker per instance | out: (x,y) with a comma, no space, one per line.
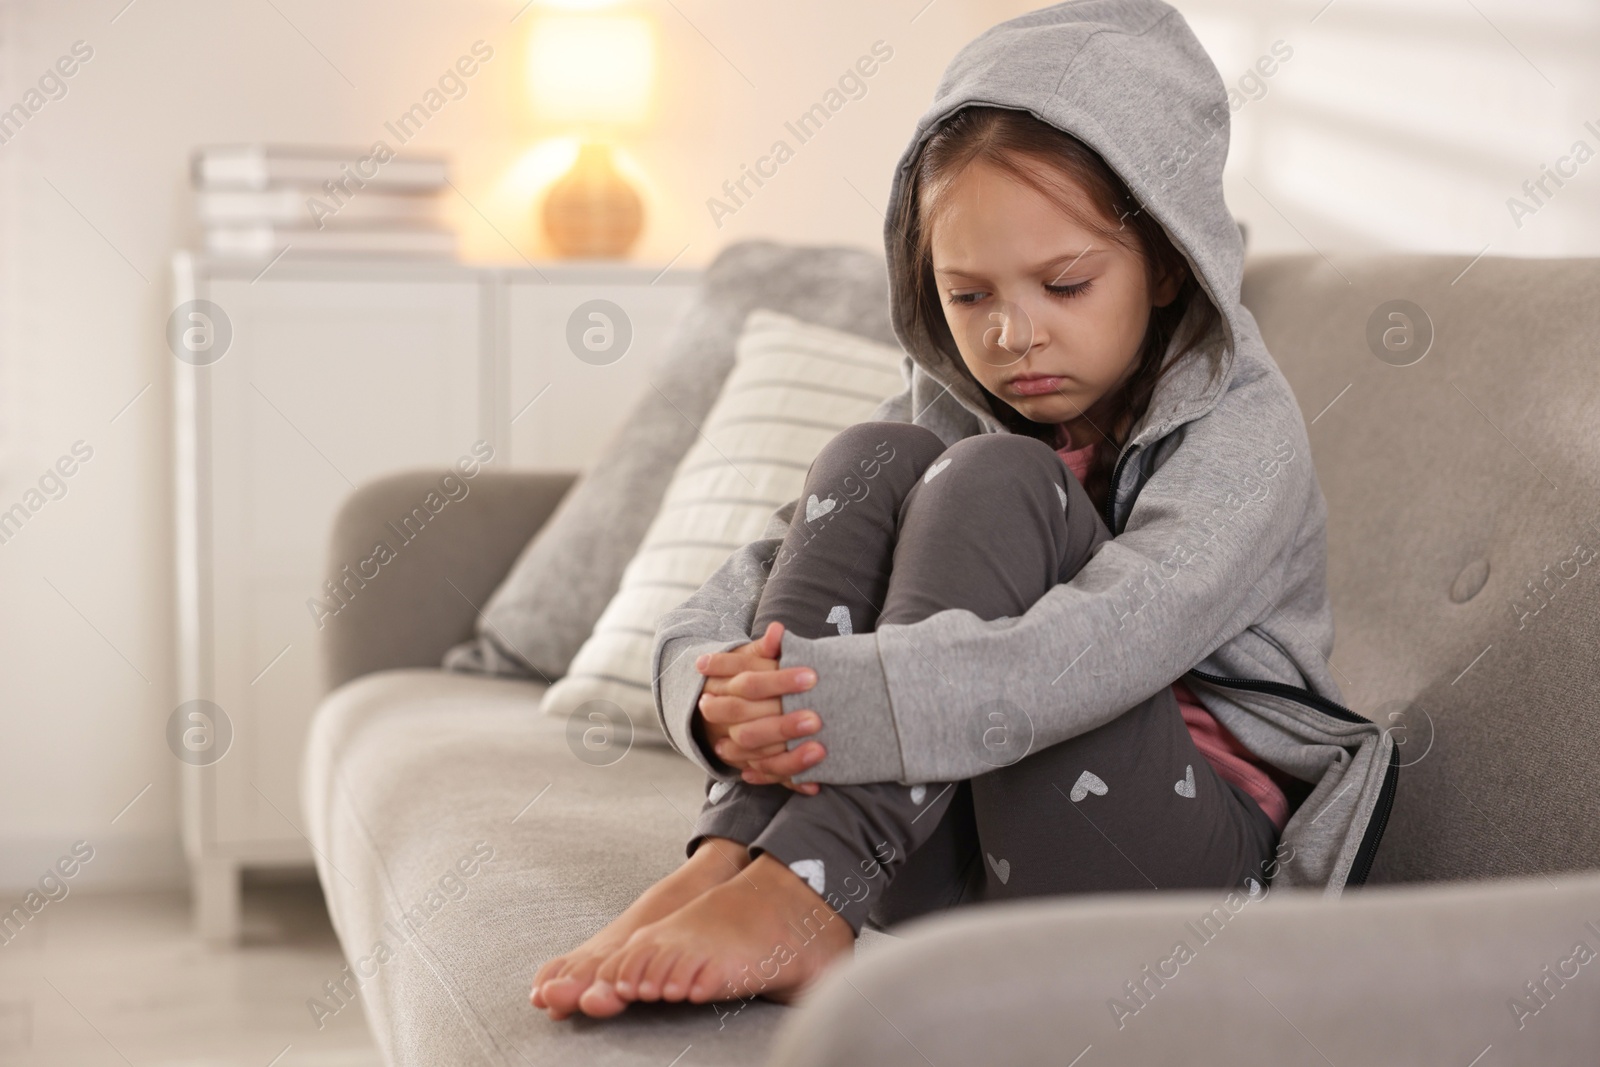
(972,619)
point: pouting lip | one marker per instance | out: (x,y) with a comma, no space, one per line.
(1029,377)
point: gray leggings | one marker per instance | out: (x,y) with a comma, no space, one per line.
(1129,805)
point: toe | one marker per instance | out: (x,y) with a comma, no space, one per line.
(582,969)
(711,983)
(655,975)
(550,971)
(566,985)
(617,968)
(560,995)
(600,1000)
(606,969)
(553,971)
(679,982)
(631,971)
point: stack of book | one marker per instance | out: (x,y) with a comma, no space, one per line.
(259,200)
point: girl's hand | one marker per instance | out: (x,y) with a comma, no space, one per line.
(741,710)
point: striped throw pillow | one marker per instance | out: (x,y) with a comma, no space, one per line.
(793,387)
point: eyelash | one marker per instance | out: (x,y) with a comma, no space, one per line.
(1067,292)
(1061,292)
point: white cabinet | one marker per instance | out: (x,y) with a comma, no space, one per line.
(334,374)
(566,407)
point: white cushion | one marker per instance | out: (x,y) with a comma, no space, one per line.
(793,387)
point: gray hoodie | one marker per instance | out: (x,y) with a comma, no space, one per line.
(1216,572)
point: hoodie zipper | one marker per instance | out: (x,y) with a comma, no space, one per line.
(1368,850)
(1111,492)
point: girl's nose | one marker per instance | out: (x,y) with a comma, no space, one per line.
(1006,333)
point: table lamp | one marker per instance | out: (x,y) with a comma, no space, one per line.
(591,72)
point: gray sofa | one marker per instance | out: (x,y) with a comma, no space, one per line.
(460,841)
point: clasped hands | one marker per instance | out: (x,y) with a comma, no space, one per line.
(742,717)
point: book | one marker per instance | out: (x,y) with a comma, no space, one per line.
(289,205)
(260,166)
(265,240)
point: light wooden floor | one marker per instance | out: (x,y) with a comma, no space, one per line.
(121,979)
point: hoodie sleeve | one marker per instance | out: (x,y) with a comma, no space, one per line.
(717,617)
(1203,556)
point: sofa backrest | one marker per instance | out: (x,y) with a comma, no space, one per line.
(1456,437)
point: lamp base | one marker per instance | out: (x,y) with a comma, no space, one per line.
(592,211)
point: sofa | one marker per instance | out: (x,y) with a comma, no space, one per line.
(1452,409)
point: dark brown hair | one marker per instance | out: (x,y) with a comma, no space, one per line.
(1008,138)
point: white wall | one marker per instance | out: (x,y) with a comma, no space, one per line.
(1404,125)
(1407,124)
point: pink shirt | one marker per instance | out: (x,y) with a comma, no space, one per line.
(1227,756)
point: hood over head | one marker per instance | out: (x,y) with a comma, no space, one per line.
(1129,79)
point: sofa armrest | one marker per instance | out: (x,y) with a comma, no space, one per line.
(408,580)
(1394,974)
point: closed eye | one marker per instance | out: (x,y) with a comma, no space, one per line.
(1067,292)
(1060,292)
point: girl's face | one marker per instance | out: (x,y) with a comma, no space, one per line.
(1048,314)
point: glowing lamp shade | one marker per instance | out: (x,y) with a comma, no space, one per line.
(592,72)
(592,69)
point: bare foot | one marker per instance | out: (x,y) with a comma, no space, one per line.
(561,981)
(765,933)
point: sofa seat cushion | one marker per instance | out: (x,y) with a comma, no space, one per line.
(411,779)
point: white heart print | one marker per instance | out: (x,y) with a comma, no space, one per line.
(1002,868)
(718,791)
(1088,782)
(1062,493)
(1185,788)
(934,470)
(918,794)
(812,873)
(840,617)
(815,508)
